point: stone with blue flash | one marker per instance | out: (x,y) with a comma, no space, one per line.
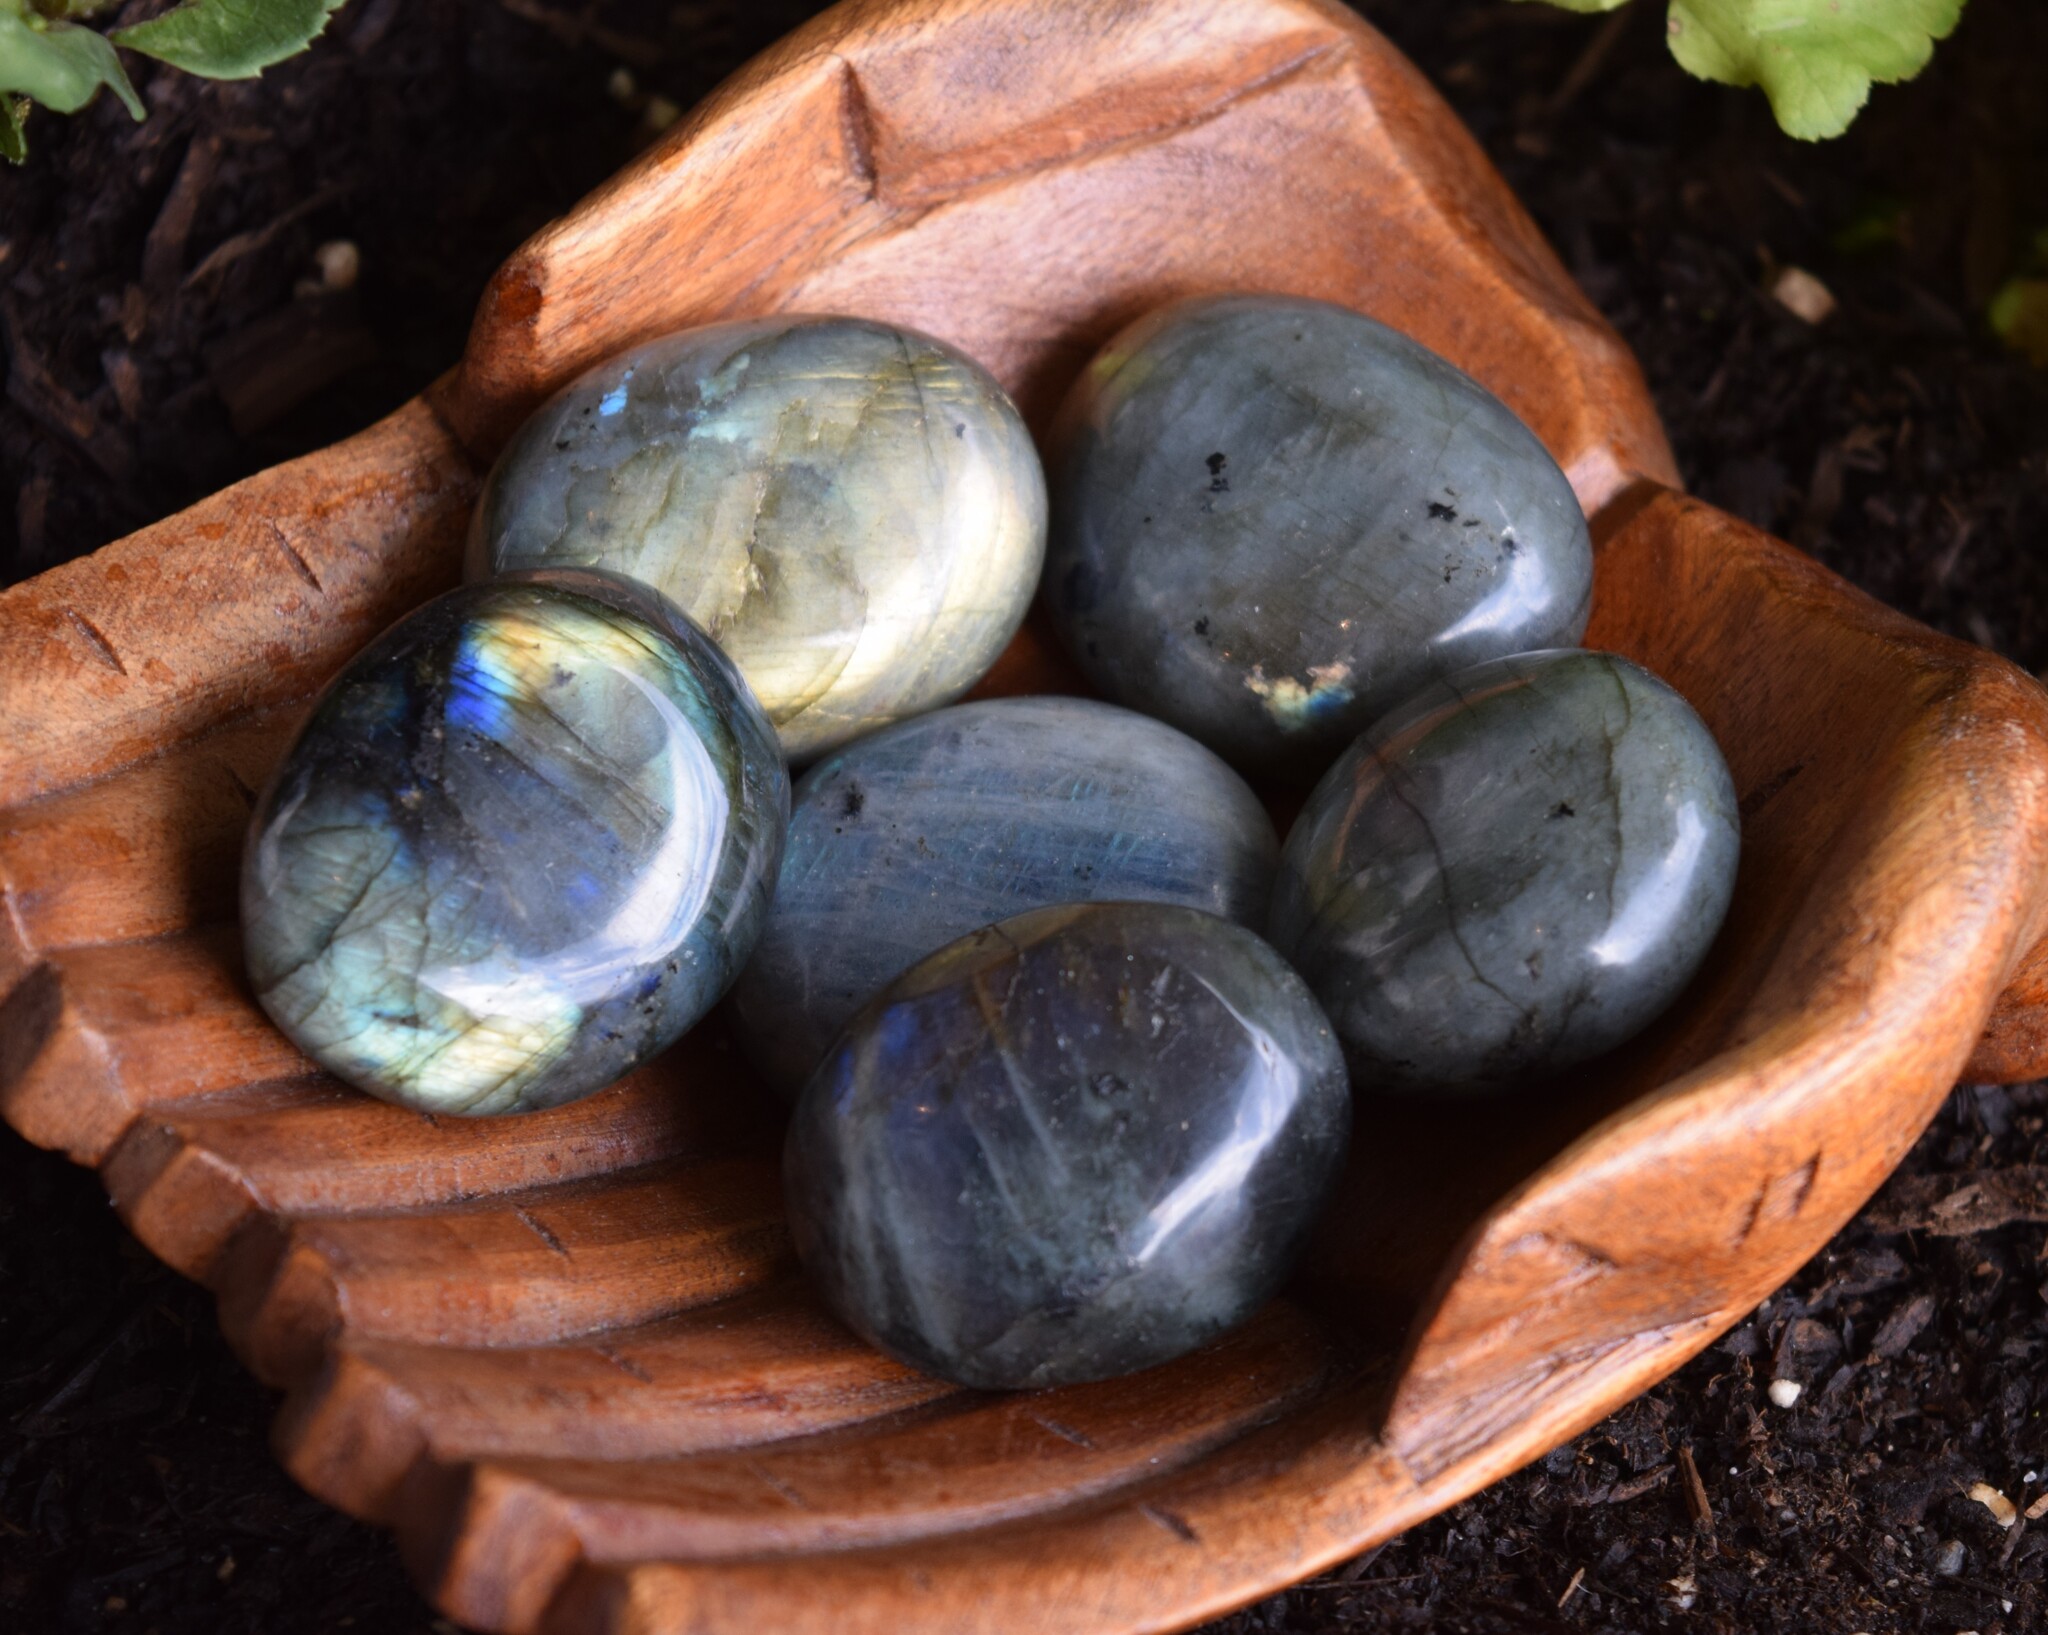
(521,844)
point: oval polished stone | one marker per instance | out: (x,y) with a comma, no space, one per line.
(936,827)
(1515,870)
(520,845)
(1273,519)
(1075,1144)
(855,513)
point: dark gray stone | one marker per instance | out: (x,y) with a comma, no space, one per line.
(1072,1145)
(938,826)
(522,843)
(1515,870)
(854,512)
(1274,519)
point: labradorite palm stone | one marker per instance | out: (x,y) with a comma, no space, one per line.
(1274,519)
(855,513)
(1075,1144)
(1516,870)
(523,842)
(936,827)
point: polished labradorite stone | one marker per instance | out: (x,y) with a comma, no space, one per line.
(1071,1145)
(1515,870)
(522,843)
(855,513)
(936,827)
(1274,519)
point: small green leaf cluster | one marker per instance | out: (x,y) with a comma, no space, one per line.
(1815,59)
(48,56)
(2019,311)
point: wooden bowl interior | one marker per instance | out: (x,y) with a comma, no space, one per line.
(899,182)
(1026,206)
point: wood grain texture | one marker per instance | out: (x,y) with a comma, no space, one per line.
(966,1462)
(576,1258)
(567,1356)
(188,1178)
(1022,178)
(762,1367)
(248,599)
(2015,1042)
(145,854)
(95,1036)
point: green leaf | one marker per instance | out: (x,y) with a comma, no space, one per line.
(1880,223)
(229,39)
(71,10)
(13,139)
(60,65)
(1815,59)
(2019,315)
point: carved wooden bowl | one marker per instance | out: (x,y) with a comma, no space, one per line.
(567,1356)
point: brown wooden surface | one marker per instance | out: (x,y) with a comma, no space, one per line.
(250,598)
(567,1357)
(2015,1042)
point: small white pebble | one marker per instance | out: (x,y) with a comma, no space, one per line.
(1784,1392)
(622,86)
(340,264)
(660,113)
(2003,1510)
(1803,295)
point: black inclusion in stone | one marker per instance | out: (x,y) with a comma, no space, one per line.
(522,842)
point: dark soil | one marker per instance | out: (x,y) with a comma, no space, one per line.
(157,350)
(147,272)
